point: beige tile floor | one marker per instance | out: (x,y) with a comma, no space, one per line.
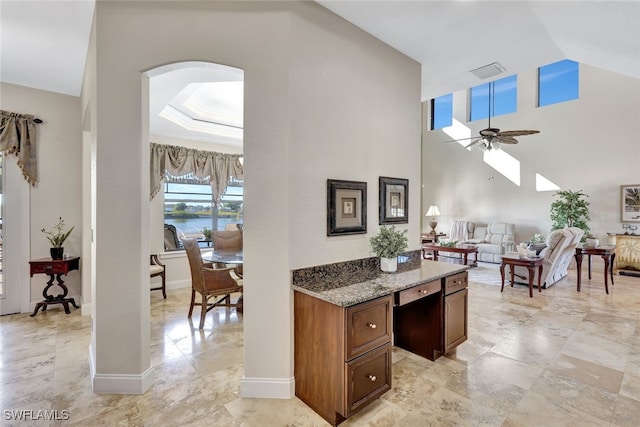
(557,359)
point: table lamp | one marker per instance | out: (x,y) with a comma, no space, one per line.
(433,212)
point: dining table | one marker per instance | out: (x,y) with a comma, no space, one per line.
(223,256)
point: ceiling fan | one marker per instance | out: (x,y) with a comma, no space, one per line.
(491,138)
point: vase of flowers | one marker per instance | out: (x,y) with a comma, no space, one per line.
(56,236)
(388,244)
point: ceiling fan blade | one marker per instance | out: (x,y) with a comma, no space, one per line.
(506,139)
(517,132)
(473,142)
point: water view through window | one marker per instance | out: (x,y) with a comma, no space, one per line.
(190,208)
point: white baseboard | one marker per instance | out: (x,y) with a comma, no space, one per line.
(86,309)
(119,383)
(273,388)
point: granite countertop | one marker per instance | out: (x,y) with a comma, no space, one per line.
(384,284)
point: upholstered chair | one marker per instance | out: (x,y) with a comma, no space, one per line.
(561,246)
(158,269)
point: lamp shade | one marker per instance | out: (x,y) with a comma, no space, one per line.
(433,211)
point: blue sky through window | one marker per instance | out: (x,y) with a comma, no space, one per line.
(442,111)
(504,98)
(557,82)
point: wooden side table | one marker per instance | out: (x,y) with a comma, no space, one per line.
(54,268)
(608,254)
(513,259)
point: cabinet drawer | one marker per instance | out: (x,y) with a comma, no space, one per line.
(47,269)
(417,292)
(368,326)
(455,283)
(367,377)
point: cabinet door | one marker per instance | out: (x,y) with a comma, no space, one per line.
(455,320)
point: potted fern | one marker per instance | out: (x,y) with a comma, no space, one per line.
(388,244)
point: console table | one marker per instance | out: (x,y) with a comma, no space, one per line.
(54,268)
(627,249)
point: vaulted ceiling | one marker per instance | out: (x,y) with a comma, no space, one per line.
(44,43)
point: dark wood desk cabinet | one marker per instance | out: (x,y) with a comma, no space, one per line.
(342,354)
(431,319)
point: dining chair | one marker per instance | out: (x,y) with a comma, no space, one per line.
(210,283)
(227,240)
(158,269)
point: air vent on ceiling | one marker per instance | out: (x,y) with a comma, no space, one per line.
(487,71)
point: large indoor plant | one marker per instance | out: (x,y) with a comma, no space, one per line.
(57,236)
(388,244)
(570,210)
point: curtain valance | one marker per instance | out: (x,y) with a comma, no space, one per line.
(205,166)
(18,137)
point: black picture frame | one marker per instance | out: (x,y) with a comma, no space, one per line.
(629,203)
(394,200)
(346,207)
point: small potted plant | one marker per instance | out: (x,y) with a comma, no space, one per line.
(388,244)
(206,233)
(57,237)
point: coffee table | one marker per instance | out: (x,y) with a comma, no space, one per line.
(463,249)
(513,259)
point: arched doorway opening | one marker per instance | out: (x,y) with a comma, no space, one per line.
(196,105)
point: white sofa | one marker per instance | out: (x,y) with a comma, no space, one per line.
(493,239)
(561,247)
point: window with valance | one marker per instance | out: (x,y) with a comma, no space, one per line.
(190,165)
(18,138)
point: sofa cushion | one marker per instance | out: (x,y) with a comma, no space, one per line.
(489,248)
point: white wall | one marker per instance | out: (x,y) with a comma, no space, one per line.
(354,115)
(287,112)
(58,191)
(589,144)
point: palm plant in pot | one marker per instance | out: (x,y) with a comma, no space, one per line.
(388,244)
(57,236)
(570,210)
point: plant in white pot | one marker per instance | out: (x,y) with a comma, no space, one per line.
(388,244)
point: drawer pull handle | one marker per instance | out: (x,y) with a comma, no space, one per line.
(424,291)
(372,377)
(372,325)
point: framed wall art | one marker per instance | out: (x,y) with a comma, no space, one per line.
(630,203)
(394,200)
(346,207)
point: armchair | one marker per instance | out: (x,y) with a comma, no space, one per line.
(157,269)
(209,283)
(561,246)
(171,240)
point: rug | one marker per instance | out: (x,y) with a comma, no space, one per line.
(485,273)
